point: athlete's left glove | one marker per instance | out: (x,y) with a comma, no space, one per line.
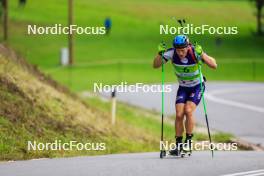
(198,52)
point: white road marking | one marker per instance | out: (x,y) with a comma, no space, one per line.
(212,97)
(248,173)
(255,174)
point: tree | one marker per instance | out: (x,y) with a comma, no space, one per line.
(259,6)
(5,18)
(1,8)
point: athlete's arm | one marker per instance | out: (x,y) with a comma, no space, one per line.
(208,60)
(157,61)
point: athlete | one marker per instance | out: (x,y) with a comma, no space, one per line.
(185,59)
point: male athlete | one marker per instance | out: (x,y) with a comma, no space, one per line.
(185,59)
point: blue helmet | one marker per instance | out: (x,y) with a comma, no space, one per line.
(180,41)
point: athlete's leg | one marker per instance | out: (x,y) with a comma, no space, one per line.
(179,128)
(192,102)
(189,108)
(179,107)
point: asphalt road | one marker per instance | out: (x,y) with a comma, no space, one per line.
(200,163)
(237,108)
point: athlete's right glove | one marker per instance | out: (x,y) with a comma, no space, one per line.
(161,48)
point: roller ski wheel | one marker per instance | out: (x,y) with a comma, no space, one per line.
(174,153)
(162,153)
(186,153)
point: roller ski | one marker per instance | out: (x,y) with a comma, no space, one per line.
(172,153)
(186,153)
(180,150)
(175,151)
(187,146)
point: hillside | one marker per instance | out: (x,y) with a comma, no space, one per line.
(34,107)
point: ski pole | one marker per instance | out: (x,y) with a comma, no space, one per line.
(162,95)
(204,107)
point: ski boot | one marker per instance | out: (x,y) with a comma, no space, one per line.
(177,151)
(187,146)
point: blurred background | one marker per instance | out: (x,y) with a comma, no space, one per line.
(128,49)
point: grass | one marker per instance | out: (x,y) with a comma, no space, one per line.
(32,109)
(134,38)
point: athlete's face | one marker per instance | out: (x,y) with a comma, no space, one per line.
(182,52)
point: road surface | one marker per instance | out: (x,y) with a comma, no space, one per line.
(236,108)
(145,164)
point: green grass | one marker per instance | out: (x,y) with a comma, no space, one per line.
(134,37)
(33,110)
